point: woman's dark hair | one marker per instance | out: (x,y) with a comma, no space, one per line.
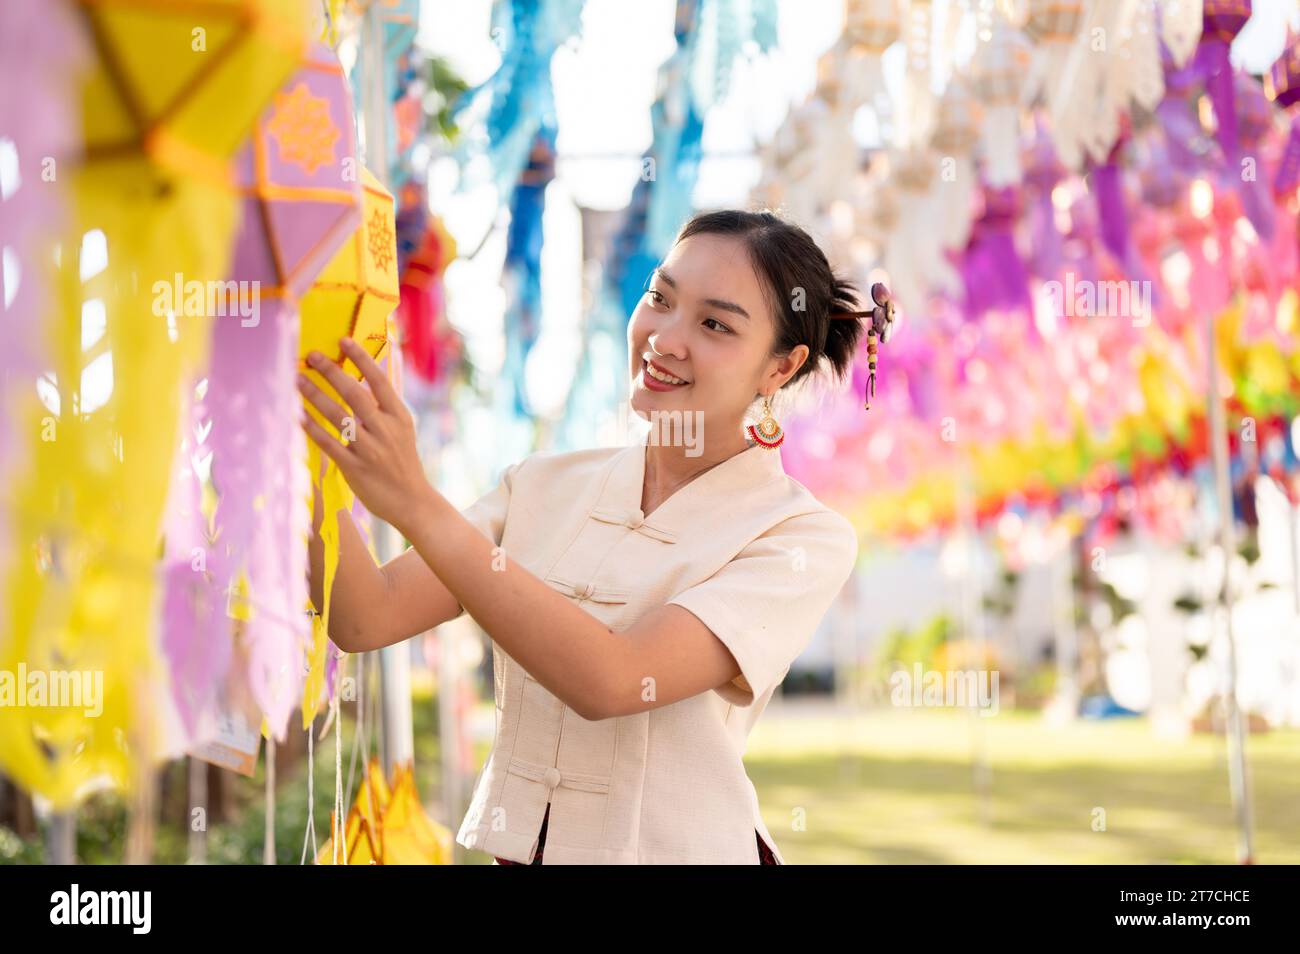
(801,286)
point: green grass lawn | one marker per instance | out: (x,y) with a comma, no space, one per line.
(897,787)
(889,786)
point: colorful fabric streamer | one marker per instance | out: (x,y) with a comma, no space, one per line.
(159,126)
(302,200)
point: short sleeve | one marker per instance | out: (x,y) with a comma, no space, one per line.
(766,604)
(488,513)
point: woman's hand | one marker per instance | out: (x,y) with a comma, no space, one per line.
(379,461)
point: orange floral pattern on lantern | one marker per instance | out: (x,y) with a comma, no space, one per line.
(302,129)
(381,239)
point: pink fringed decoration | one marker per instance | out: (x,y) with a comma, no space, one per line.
(250,415)
(296,215)
(196,628)
(259,468)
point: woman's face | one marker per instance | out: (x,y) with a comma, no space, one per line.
(705,324)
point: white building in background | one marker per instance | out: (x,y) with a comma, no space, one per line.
(1149,663)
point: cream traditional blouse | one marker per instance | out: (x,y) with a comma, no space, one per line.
(745,548)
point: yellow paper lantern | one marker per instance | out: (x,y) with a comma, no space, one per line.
(357,291)
(89,506)
(353,296)
(168,95)
(183,82)
(388,826)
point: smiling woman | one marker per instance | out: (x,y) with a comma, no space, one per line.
(644,602)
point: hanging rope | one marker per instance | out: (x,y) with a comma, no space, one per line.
(338,825)
(310,834)
(127,565)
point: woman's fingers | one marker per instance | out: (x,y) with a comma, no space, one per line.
(328,443)
(330,409)
(385,394)
(349,388)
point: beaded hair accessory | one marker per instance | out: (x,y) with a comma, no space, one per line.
(878,331)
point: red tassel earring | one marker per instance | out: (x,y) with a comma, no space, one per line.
(767,432)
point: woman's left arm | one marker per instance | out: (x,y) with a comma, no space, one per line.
(667,656)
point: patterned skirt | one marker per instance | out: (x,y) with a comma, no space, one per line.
(764,853)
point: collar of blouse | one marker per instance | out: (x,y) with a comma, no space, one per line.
(620,500)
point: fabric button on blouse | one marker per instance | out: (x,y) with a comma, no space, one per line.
(745,548)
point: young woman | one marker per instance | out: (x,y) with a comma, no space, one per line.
(643,602)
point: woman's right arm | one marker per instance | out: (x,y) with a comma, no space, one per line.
(374,606)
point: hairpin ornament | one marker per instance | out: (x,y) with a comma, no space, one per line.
(878,331)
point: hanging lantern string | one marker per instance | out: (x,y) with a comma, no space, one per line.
(126,564)
(338,826)
(310,834)
(360,731)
